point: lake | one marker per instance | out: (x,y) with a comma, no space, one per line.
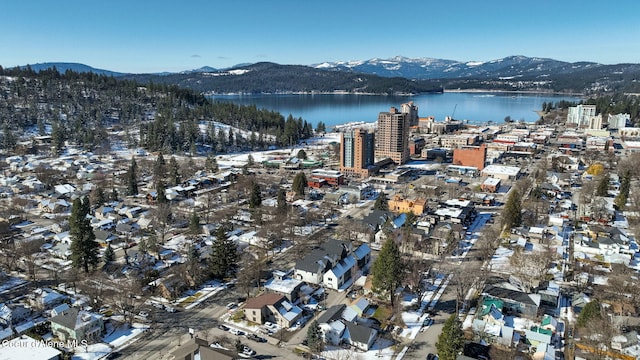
(334,109)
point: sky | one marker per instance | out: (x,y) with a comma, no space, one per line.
(139,36)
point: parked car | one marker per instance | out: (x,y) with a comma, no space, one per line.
(248,351)
(237,332)
(223,327)
(256,338)
(170,309)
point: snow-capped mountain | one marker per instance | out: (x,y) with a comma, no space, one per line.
(429,68)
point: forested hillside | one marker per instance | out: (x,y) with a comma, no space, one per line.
(92,111)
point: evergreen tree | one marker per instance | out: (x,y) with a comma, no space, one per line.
(621,199)
(99,196)
(321,127)
(109,256)
(132,178)
(194,255)
(211,164)
(255,200)
(250,160)
(512,212)
(194,224)
(223,260)
(159,168)
(84,248)
(603,185)
(174,172)
(299,183)
(387,269)
(451,339)
(314,338)
(161,195)
(382,203)
(589,312)
(302,154)
(282,201)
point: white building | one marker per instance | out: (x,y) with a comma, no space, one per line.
(501,172)
(579,114)
(618,121)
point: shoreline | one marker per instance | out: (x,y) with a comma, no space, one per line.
(474,91)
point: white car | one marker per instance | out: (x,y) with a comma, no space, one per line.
(235,331)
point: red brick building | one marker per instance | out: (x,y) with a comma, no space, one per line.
(475,156)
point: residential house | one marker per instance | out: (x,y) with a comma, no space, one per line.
(75,324)
(332,264)
(11,314)
(337,330)
(25,347)
(196,348)
(283,285)
(515,301)
(44,298)
(274,308)
(359,336)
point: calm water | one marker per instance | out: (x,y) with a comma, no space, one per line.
(339,109)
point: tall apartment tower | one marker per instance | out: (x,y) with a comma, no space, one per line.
(357,148)
(412,112)
(392,138)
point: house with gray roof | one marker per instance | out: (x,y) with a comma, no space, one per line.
(336,329)
(332,264)
(75,324)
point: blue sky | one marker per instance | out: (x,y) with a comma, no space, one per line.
(152,36)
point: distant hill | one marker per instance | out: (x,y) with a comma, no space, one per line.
(509,73)
(268,77)
(395,75)
(77,67)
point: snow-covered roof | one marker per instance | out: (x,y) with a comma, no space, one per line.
(15,349)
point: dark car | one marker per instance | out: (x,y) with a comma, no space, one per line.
(432,357)
(223,328)
(256,338)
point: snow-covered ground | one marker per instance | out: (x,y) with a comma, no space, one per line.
(381,349)
(116,338)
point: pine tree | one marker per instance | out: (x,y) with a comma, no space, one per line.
(159,168)
(174,172)
(223,260)
(255,200)
(314,338)
(211,164)
(84,248)
(161,195)
(302,154)
(512,212)
(282,201)
(109,255)
(621,199)
(603,185)
(132,178)
(194,224)
(387,269)
(299,183)
(451,339)
(588,313)
(382,203)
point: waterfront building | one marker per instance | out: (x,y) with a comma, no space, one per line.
(392,139)
(357,152)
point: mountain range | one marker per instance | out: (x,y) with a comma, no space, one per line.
(395,75)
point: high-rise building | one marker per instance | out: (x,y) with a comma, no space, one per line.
(411,111)
(392,138)
(357,148)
